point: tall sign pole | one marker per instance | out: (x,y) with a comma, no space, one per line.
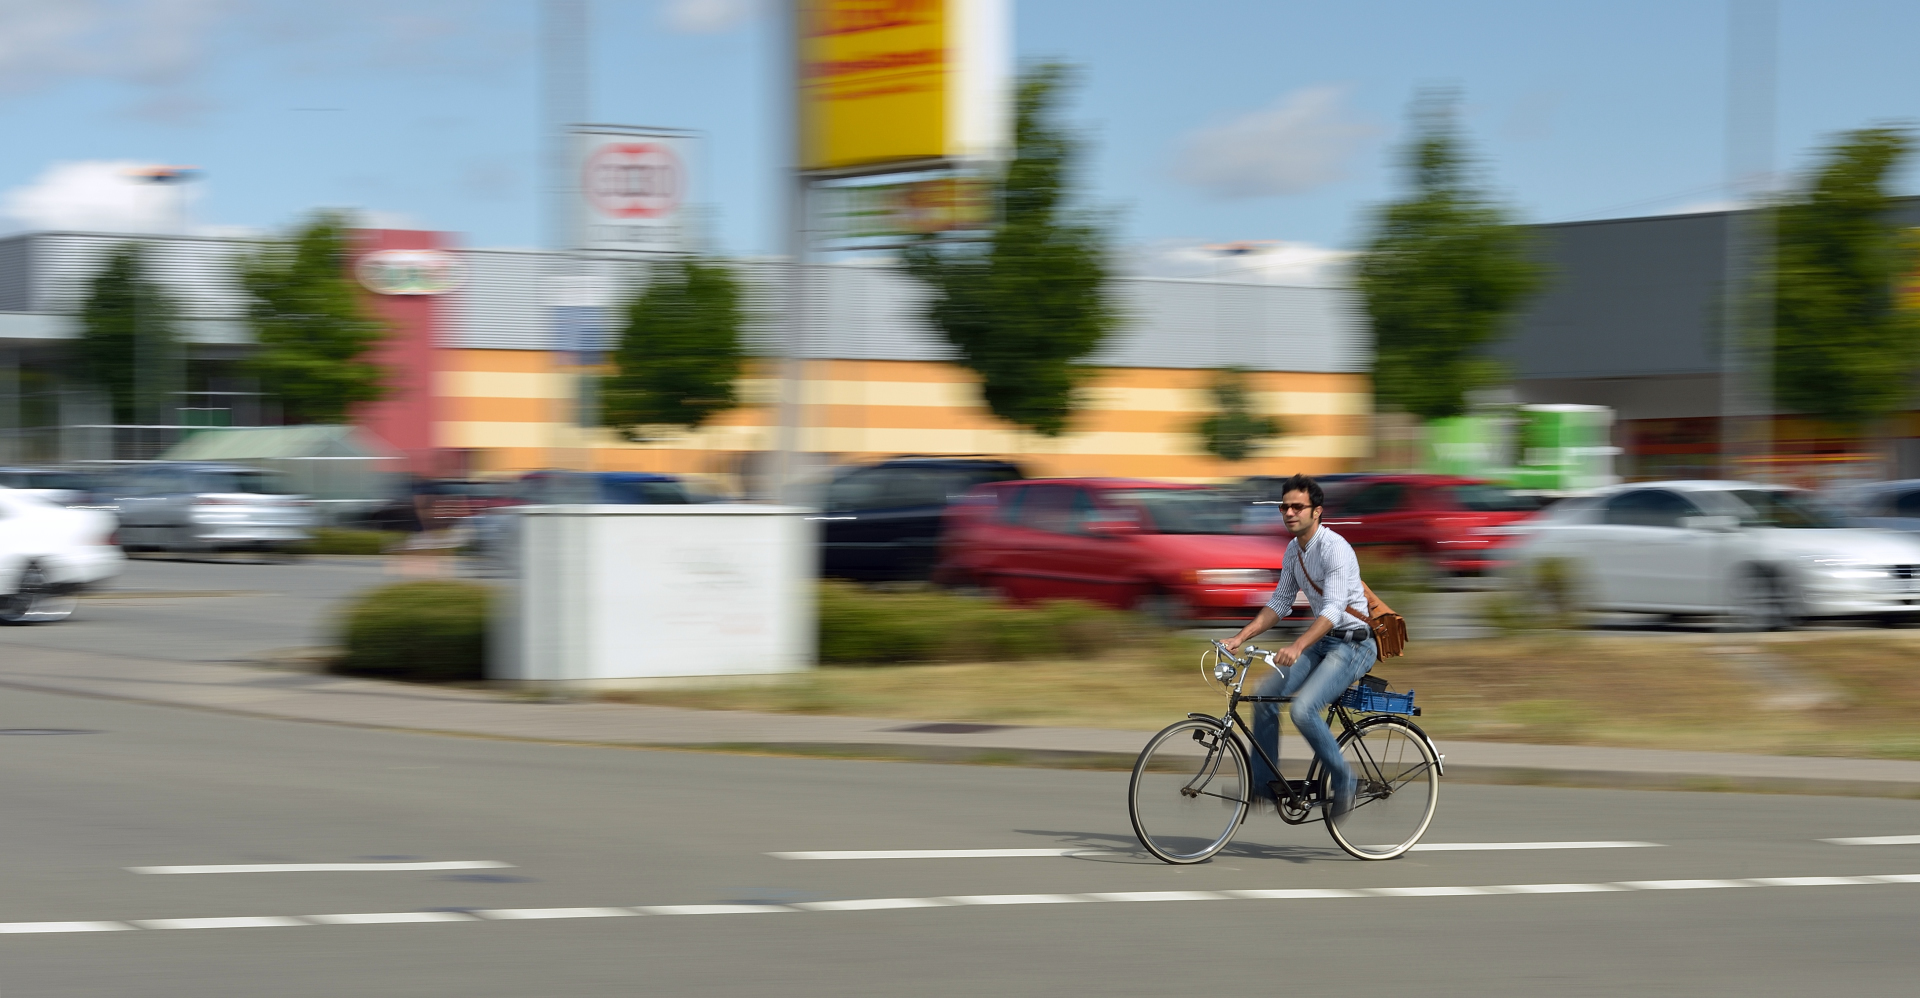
(565,82)
(882,89)
(1747,309)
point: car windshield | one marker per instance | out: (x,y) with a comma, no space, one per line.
(1185,511)
(643,493)
(1491,499)
(251,482)
(1772,508)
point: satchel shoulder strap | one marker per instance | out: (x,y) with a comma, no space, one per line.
(1357,615)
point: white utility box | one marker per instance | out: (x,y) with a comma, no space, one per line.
(611,596)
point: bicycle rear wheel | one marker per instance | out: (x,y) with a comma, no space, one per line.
(1398,787)
(1189,791)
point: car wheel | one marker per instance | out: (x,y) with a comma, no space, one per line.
(35,600)
(1762,601)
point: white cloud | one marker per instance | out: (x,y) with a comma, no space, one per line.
(702,17)
(1264,262)
(1303,140)
(97,196)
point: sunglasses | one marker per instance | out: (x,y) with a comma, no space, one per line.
(1295,507)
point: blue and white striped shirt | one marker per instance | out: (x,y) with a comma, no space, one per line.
(1330,562)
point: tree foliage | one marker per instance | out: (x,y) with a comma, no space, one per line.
(310,322)
(679,352)
(1024,308)
(1236,429)
(129,342)
(1844,347)
(1442,274)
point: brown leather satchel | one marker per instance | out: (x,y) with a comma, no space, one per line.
(1389,628)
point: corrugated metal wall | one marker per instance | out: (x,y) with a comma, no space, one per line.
(858,312)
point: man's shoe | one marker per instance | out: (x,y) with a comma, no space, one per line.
(1338,810)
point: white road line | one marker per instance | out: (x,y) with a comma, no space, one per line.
(260,922)
(1055,853)
(1876,840)
(507,914)
(388,917)
(1526,846)
(459,864)
(18,927)
(936,853)
(872,904)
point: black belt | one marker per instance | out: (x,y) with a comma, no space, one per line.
(1357,635)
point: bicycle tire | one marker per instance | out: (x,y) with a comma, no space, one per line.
(1189,780)
(1399,788)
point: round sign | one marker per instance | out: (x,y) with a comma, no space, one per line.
(634,180)
(409,271)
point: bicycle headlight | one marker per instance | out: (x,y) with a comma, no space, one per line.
(1223,671)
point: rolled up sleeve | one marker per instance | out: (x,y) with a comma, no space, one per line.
(1281,602)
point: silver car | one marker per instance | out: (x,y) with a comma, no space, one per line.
(1767,556)
(205,508)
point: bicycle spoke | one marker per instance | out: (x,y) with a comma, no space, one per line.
(1188,794)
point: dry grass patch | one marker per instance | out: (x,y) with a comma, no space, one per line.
(1668,691)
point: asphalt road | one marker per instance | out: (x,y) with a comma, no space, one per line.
(208,611)
(651,831)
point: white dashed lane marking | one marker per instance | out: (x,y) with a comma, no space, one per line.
(458,864)
(1039,853)
(1877,840)
(873,904)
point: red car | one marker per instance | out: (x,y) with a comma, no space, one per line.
(1454,524)
(1180,552)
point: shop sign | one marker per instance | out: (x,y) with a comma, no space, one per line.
(633,189)
(409,272)
(886,82)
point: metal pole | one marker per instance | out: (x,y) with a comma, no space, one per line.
(1746,342)
(566,84)
(787,445)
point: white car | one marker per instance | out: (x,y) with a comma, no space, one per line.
(1767,556)
(48,553)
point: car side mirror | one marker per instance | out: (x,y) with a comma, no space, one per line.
(1715,524)
(1111,528)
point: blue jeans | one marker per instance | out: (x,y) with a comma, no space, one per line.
(1316,679)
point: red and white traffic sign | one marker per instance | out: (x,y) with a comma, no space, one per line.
(634,180)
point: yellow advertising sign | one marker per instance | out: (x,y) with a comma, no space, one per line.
(891,81)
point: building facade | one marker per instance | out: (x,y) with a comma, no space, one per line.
(1632,319)
(486,378)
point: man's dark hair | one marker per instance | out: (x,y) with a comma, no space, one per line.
(1301,483)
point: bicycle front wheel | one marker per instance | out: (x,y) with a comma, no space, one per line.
(1397,781)
(1189,791)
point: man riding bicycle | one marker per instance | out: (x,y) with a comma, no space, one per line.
(1321,663)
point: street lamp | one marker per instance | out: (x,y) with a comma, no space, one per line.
(158,176)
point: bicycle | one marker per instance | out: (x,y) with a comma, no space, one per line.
(1192,778)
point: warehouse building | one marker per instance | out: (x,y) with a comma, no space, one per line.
(485,378)
(1631,319)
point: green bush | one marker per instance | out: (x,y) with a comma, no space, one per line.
(431,630)
(338,540)
(862,626)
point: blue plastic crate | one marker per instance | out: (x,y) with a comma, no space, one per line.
(1369,701)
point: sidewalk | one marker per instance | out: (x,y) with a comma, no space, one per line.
(299,696)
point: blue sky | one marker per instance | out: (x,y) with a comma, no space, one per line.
(1207,120)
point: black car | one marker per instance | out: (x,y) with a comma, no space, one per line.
(882,521)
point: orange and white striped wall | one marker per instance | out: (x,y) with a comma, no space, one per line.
(513,410)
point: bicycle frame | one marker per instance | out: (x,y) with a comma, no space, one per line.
(1303,800)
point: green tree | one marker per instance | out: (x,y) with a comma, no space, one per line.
(1443,272)
(129,343)
(1844,347)
(1235,430)
(312,328)
(679,352)
(1026,306)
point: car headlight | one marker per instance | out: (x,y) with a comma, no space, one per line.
(1837,568)
(1236,577)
